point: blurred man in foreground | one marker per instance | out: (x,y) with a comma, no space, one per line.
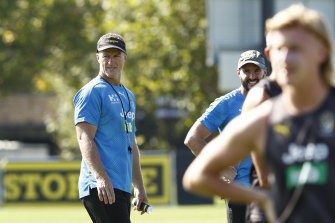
(293,135)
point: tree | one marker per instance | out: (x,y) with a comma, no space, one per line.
(54,44)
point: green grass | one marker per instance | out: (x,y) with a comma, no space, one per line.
(51,213)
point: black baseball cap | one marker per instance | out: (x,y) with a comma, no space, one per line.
(251,56)
(111,40)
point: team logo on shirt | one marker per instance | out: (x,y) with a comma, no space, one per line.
(113,98)
(300,153)
(313,173)
(282,129)
(327,123)
(306,164)
(122,94)
(130,115)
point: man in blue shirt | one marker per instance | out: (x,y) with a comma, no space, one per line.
(250,70)
(105,124)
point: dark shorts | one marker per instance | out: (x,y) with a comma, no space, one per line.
(237,212)
(255,214)
(118,212)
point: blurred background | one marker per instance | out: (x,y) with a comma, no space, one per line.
(181,56)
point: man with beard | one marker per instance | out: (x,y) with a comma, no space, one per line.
(251,69)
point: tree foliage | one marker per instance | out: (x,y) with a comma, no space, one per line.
(48,46)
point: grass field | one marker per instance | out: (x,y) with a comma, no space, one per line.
(77,214)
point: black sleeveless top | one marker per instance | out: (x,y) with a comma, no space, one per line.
(270,87)
(293,141)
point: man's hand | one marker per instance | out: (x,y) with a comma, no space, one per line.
(141,196)
(105,191)
(229,174)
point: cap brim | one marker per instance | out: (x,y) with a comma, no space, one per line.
(260,65)
(111,47)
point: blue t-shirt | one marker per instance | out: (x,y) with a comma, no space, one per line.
(98,103)
(221,111)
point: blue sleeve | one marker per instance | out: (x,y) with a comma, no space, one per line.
(87,106)
(215,116)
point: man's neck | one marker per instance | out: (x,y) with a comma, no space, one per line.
(243,91)
(112,81)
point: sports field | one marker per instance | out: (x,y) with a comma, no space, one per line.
(76,214)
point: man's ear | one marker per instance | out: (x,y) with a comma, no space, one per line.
(265,72)
(267,52)
(238,72)
(97,56)
(323,53)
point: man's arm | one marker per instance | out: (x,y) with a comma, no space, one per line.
(243,133)
(89,152)
(196,137)
(255,97)
(139,190)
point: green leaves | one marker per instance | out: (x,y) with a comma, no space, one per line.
(49,47)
